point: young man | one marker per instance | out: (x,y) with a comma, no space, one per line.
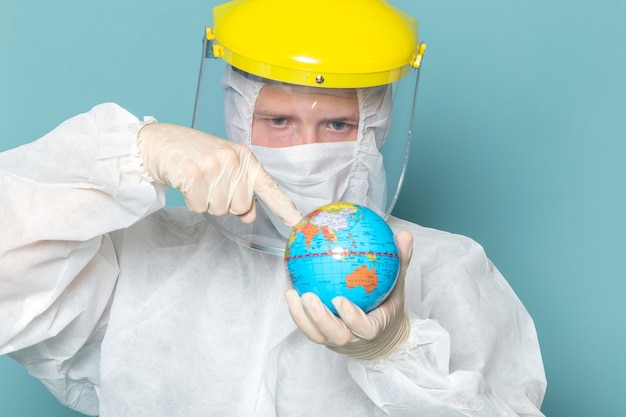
(123,308)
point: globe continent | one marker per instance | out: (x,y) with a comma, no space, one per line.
(343,249)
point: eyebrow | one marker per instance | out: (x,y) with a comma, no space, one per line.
(284,115)
(270,114)
(351,119)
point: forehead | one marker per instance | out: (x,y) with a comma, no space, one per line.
(271,92)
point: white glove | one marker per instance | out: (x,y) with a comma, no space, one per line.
(356,334)
(213,174)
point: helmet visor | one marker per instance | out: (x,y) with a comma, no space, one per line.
(321,145)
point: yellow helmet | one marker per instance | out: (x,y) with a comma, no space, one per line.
(373,43)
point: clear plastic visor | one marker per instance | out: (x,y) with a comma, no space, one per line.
(321,145)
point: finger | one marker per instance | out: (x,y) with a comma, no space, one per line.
(195,201)
(250,215)
(335,330)
(355,318)
(404,241)
(269,191)
(218,201)
(302,320)
(204,192)
(241,178)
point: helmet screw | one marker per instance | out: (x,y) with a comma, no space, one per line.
(319,79)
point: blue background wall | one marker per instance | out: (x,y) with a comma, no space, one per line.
(520,144)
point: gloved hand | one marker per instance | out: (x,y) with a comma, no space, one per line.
(213,174)
(356,334)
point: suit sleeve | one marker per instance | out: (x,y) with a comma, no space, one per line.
(61,196)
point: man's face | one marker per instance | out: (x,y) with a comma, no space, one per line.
(293,115)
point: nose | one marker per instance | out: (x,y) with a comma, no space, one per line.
(309,134)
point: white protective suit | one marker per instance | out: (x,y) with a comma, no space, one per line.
(124,308)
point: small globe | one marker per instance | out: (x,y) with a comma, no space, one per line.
(343,249)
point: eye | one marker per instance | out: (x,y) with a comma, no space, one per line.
(278,121)
(338,125)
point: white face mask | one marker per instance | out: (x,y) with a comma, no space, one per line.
(311,175)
